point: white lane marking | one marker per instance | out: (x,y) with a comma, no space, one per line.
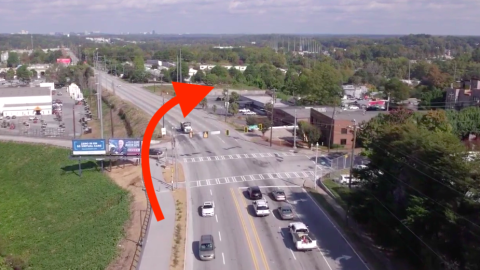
(222,140)
(296,257)
(211,193)
(223,257)
(335,226)
(216,218)
(219,236)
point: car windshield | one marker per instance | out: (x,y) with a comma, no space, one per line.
(280,193)
(286,211)
(205,247)
(208,206)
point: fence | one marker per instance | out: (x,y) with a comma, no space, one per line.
(145,224)
(37,132)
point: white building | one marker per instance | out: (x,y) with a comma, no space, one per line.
(74,92)
(354,91)
(24,101)
(209,67)
(50,85)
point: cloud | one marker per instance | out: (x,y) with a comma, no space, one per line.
(248,16)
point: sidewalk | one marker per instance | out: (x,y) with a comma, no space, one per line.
(159,238)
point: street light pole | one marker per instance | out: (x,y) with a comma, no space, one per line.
(316,162)
(271,121)
(353,152)
(163,96)
(295,123)
(227,104)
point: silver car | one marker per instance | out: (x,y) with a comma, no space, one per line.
(286,212)
(207,248)
(279,195)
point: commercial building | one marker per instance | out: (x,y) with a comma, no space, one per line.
(336,124)
(286,116)
(24,101)
(257,103)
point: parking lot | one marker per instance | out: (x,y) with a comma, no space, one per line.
(47,125)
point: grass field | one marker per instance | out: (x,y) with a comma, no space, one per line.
(51,217)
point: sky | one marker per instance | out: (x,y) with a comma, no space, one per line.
(435,17)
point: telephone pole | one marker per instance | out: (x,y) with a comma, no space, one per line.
(353,152)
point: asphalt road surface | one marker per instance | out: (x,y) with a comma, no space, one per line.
(242,240)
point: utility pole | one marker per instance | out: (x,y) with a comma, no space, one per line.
(332,126)
(111,119)
(388,102)
(74,124)
(163,125)
(295,123)
(227,104)
(353,152)
(316,162)
(271,121)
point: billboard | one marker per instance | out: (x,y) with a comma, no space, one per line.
(89,147)
(124,147)
(63,60)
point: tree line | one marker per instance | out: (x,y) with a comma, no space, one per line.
(418,195)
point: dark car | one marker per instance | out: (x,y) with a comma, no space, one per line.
(155,152)
(254,193)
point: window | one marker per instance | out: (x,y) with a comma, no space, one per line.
(344,131)
(343,141)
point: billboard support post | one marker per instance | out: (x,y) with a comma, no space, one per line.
(80,167)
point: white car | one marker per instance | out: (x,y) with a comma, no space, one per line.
(208,209)
(353,107)
(261,208)
(344,179)
(244,110)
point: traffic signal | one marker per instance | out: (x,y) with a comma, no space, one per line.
(260,126)
(227,132)
(245,129)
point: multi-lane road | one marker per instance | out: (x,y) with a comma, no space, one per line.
(219,169)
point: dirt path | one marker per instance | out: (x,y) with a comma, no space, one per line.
(129,178)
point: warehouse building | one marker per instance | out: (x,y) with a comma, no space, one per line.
(24,101)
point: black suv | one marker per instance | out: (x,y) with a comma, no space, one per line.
(254,193)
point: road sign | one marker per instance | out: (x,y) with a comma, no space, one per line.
(260,126)
(89,147)
(205,134)
(227,132)
(245,129)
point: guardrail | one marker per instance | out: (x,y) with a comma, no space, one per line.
(140,243)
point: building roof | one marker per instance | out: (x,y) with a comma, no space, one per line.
(27,104)
(264,99)
(340,114)
(24,91)
(302,112)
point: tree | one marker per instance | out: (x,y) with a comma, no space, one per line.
(266,125)
(234,97)
(233,108)
(397,89)
(13,59)
(139,63)
(423,182)
(251,120)
(24,74)
(199,76)
(10,74)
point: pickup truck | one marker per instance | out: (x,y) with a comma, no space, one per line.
(303,239)
(186,127)
(261,208)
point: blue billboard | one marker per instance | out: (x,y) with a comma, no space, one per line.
(89,147)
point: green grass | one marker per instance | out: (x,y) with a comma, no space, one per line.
(159,89)
(52,217)
(342,193)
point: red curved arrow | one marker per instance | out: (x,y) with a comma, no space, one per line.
(187,96)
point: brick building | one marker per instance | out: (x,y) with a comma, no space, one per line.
(336,124)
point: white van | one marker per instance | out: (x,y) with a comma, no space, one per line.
(344,179)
